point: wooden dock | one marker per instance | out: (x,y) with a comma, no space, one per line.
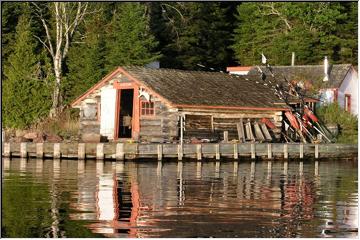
(122,151)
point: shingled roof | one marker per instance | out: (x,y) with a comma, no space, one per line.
(206,88)
(183,88)
(312,73)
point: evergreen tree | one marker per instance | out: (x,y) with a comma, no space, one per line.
(24,94)
(311,30)
(129,39)
(196,33)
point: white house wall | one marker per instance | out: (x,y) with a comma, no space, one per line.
(107,119)
(349,86)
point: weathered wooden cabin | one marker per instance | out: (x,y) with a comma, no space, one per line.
(150,105)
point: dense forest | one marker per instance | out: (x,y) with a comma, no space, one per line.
(52,52)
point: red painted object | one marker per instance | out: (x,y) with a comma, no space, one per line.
(292,119)
(268,123)
(311,115)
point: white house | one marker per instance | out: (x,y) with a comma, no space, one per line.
(336,83)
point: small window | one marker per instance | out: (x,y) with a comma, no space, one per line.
(347,103)
(147,108)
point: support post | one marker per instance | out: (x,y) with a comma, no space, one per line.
(301,150)
(81,151)
(236,154)
(286,153)
(217,151)
(198,151)
(226,136)
(316,150)
(7,152)
(40,150)
(301,168)
(159,152)
(119,155)
(181,130)
(179,152)
(316,168)
(252,146)
(57,153)
(285,168)
(269,150)
(23,150)
(100,151)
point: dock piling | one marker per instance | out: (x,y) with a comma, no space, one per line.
(236,154)
(159,152)
(7,152)
(81,151)
(301,150)
(57,150)
(253,151)
(100,151)
(316,150)
(217,152)
(179,152)
(269,151)
(119,154)
(286,153)
(23,150)
(40,150)
(198,151)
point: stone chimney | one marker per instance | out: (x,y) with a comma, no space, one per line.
(326,69)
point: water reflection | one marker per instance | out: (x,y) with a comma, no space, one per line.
(196,199)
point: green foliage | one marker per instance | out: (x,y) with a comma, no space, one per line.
(24,91)
(86,59)
(347,122)
(129,39)
(195,33)
(311,30)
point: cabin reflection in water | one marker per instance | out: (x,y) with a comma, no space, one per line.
(195,199)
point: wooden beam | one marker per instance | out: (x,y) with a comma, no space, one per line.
(240,129)
(159,152)
(198,151)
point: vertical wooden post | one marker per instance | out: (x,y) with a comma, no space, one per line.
(159,152)
(316,150)
(181,130)
(286,153)
(316,168)
(81,151)
(57,153)
(301,168)
(226,136)
(236,154)
(23,150)
(7,152)
(119,154)
(198,151)
(301,150)
(269,150)
(180,152)
(217,151)
(100,151)
(252,146)
(40,150)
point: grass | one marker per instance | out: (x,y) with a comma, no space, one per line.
(348,123)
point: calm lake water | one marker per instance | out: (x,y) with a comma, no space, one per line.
(70,198)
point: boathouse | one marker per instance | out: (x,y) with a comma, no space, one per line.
(164,105)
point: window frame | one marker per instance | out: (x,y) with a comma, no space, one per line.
(147,108)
